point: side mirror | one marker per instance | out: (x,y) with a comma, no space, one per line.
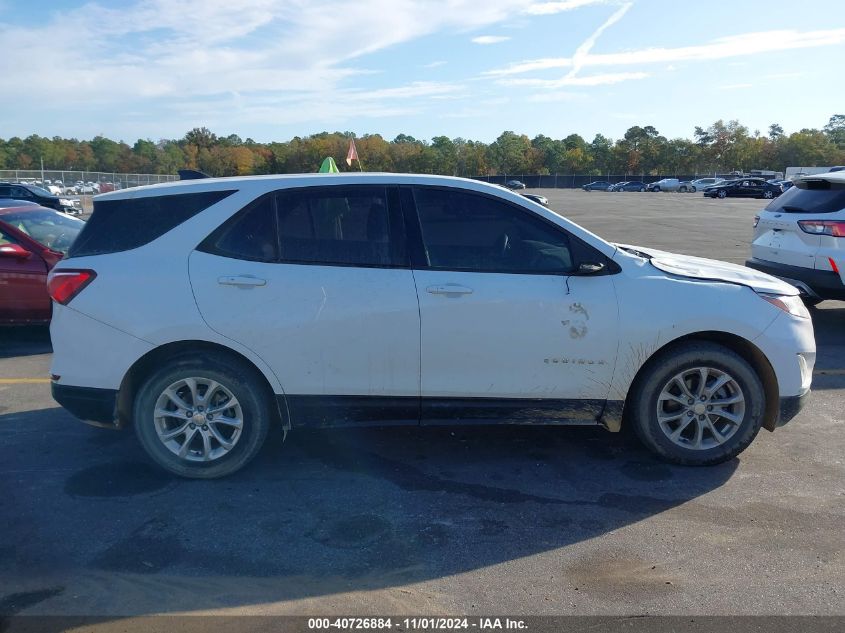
(15,251)
(590,268)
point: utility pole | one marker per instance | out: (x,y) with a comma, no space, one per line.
(42,170)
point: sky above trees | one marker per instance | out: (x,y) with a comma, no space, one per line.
(277,69)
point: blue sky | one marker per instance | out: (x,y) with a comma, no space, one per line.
(274,69)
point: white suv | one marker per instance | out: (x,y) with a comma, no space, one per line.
(800,237)
(205,311)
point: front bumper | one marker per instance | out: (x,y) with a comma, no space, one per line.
(790,406)
(89,404)
(817,284)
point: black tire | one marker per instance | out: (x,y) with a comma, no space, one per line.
(721,193)
(688,356)
(768,195)
(241,379)
(682,189)
(642,189)
(656,189)
(692,189)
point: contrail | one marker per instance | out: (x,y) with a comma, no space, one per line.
(583,51)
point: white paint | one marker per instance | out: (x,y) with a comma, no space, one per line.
(355,331)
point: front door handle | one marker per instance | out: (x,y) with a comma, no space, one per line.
(449,290)
(242,281)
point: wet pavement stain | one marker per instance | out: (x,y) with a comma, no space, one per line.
(352,532)
(148,550)
(117,479)
(647,471)
(16,602)
(434,534)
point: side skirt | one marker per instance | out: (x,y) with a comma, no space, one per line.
(318,411)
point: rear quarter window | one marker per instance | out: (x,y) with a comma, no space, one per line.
(121,225)
(811,196)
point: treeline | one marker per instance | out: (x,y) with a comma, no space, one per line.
(721,147)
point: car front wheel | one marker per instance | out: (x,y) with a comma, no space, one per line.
(768,195)
(202,416)
(692,189)
(698,404)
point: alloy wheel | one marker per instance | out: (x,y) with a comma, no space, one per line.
(700,408)
(198,419)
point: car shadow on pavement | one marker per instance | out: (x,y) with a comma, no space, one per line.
(26,340)
(324,513)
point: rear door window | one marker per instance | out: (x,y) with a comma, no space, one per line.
(250,234)
(344,226)
(813,196)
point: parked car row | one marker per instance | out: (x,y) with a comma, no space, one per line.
(665,184)
(58,187)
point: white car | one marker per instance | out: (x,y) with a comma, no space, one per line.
(698,185)
(800,237)
(203,312)
(666,184)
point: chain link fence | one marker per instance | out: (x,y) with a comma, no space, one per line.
(82,182)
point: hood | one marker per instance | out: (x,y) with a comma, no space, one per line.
(714,270)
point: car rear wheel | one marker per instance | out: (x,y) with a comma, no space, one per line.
(721,193)
(682,189)
(692,189)
(642,189)
(768,195)
(202,417)
(698,404)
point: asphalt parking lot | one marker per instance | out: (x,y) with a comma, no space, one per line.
(435,520)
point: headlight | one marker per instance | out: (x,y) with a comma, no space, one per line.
(788,303)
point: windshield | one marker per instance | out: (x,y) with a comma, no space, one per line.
(54,230)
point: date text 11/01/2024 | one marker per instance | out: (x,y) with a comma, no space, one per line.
(415,624)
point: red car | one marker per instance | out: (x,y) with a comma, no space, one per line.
(32,240)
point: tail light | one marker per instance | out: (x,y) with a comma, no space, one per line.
(756,221)
(823,227)
(64,285)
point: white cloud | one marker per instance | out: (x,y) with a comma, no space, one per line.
(163,52)
(555,96)
(550,8)
(590,80)
(722,48)
(490,39)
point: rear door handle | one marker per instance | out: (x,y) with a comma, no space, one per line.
(449,290)
(242,281)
